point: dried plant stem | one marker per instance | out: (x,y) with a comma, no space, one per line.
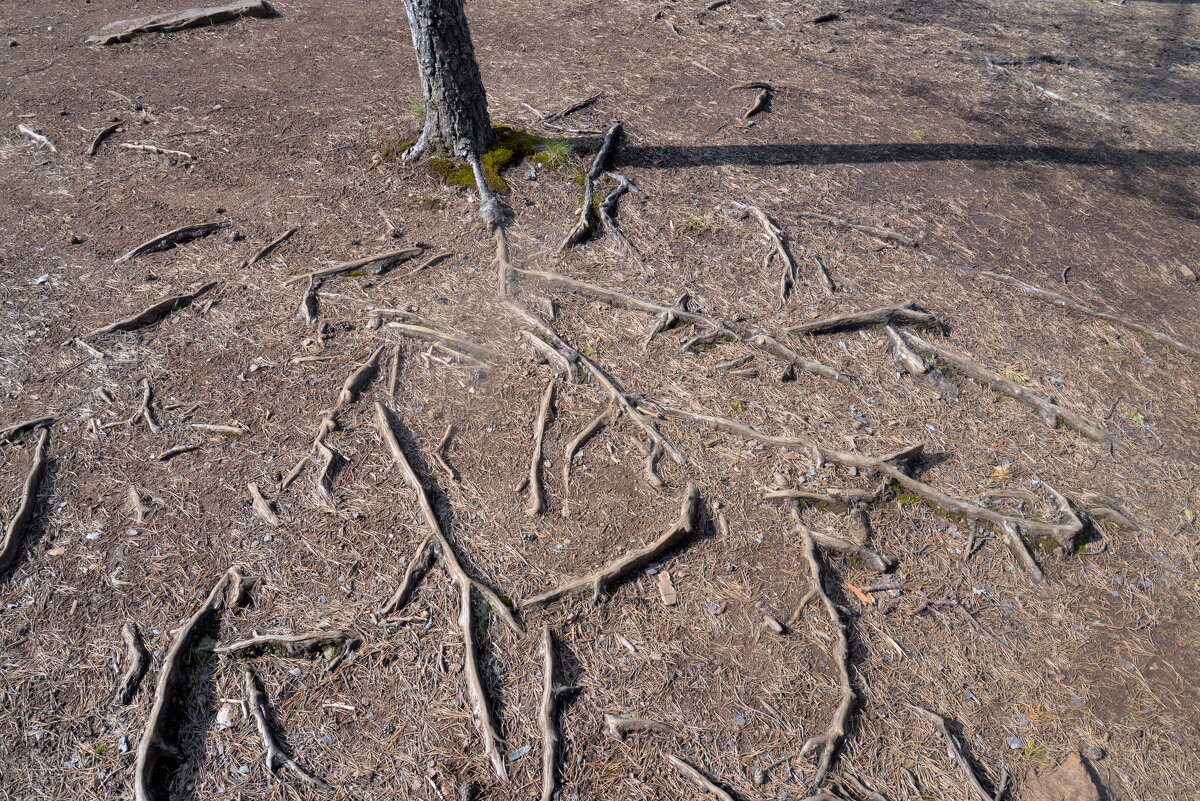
(18,526)
(137,659)
(276,757)
(598,579)
(545,414)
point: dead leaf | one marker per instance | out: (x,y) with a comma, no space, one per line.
(862,596)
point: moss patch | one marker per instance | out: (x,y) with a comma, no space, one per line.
(512,145)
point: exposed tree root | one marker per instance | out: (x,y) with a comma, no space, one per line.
(878,233)
(170,239)
(100,137)
(374,264)
(915,365)
(552,694)
(587,215)
(153,746)
(293,645)
(571,109)
(158,151)
(761,102)
(607,209)
(562,365)
(665,320)
(895,468)
(598,579)
(269,248)
(16,431)
(18,526)
(871,560)
(276,757)
(1050,412)
(40,140)
(473,350)
(449,556)
(960,757)
(418,566)
(1066,303)
(831,740)
(713,329)
(779,249)
(262,507)
(906,313)
(178,450)
(136,507)
(146,410)
(153,314)
(309,309)
(619,727)
(1021,554)
(822,270)
(578,441)
(697,778)
(480,708)
(136,661)
(355,382)
(439,454)
(545,414)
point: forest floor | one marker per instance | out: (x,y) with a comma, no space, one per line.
(889,116)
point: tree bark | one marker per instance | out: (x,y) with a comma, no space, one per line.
(456,114)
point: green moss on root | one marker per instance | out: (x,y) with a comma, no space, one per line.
(512,146)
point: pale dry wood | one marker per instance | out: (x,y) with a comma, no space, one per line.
(40,140)
(619,727)
(158,151)
(956,750)
(138,509)
(480,708)
(276,756)
(153,745)
(178,450)
(697,778)
(906,313)
(18,526)
(354,383)
(1021,554)
(778,241)
(586,223)
(607,210)
(473,350)
(14,432)
(137,659)
(269,248)
(309,308)
(291,645)
(152,314)
(545,413)
(126,29)
(548,712)
(590,430)
(880,563)
(170,239)
(879,233)
(261,506)
(915,365)
(598,579)
(375,264)
(418,566)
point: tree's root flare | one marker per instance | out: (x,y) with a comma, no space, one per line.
(269,248)
(1050,412)
(697,778)
(548,713)
(16,431)
(153,746)
(295,645)
(545,413)
(449,556)
(137,659)
(276,757)
(18,526)
(170,239)
(907,313)
(619,727)
(597,580)
(593,427)
(587,215)
(376,264)
(830,741)
(961,759)
(153,314)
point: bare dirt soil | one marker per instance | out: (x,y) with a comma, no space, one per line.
(888,116)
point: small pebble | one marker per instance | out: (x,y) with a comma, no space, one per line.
(243,769)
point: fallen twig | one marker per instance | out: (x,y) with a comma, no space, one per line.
(40,140)
(261,506)
(136,661)
(100,137)
(956,750)
(831,739)
(598,579)
(587,215)
(276,757)
(159,151)
(153,745)
(619,727)
(375,264)
(18,526)
(268,248)
(906,313)
(545,414)
(696,777)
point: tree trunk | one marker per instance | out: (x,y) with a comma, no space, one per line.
(456,114)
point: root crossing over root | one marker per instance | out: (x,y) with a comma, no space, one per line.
(597,580)
(697,778)
(779,249)
(545,414)
(137,659)
(587,214)
(960,757)
(152,314)
(18,526)
(276,757)
(171,679)
(607,209)
(829,742)
(170,239)
(14,432)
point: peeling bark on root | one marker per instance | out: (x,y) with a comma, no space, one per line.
(906,313)
(292,645)
(894,468)
(269,248)
(418,566)
(594,426)
(545,414)
(153,746)
(170,239)
(831,740)
(586,224)
(15,431)
(136,662)
(449,555)
(375,265)
(619,728)
(960,756)
(480,708)
(18,526)
(276,757)
(548,711)
(1050,412)
(598,579)
(697,778)
(153,314)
